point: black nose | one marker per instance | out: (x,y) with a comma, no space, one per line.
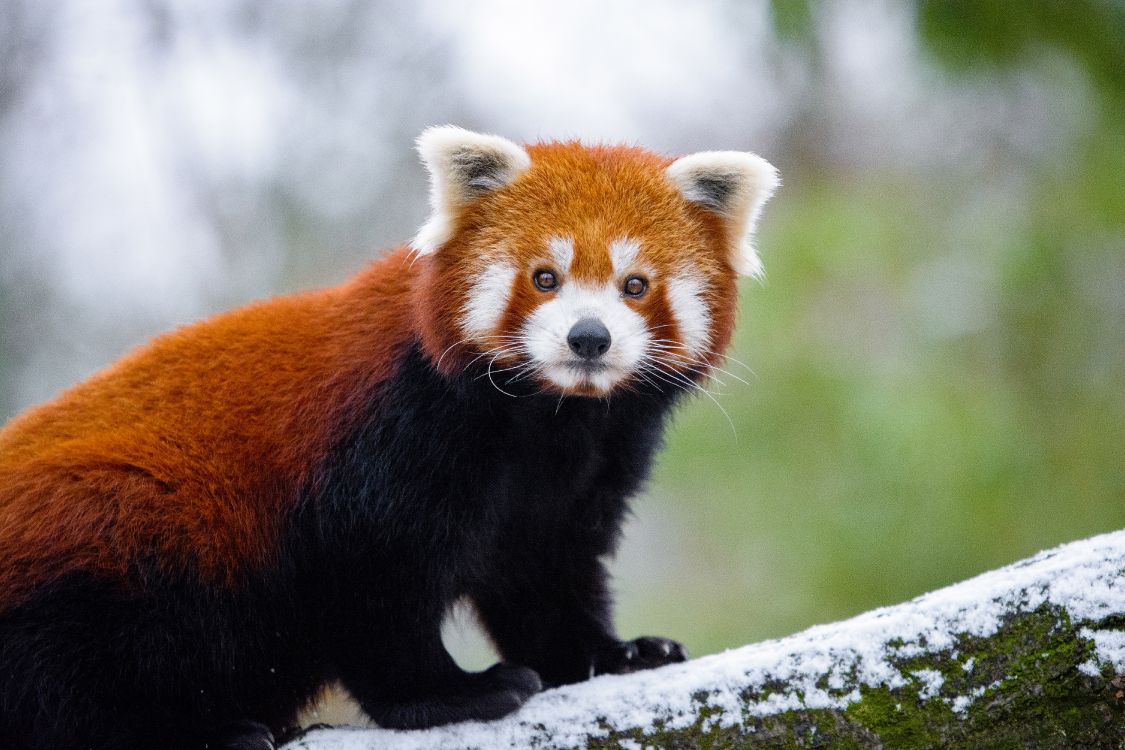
(589,338)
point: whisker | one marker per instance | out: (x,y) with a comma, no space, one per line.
(706,366)
(713,353)
(709,395)
(447,350)
(667,351)
(498,351)
(489,371)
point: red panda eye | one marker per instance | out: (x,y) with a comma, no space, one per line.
(545,281)
(635,286)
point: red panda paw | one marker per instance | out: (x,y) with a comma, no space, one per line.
(646,652)
(522,681)
(245,735)
(482,696)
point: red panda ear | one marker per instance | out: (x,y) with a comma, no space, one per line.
(735,185)
(463,165)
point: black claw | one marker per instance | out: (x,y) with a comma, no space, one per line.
(642,653)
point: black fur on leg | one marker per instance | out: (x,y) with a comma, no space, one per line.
(294,733)
(244,735)
(492,694)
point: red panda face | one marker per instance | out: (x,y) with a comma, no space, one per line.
(584,269)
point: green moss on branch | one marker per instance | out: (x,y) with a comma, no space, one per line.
(1019,688)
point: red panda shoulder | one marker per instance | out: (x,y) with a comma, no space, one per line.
(142,460)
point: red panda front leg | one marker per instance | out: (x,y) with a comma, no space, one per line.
(416,684)
(558,621)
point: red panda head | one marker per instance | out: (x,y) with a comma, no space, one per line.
(584,268)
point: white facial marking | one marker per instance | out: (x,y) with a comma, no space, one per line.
(623,252)
(487,300)
(685,295)
(562,252)
(545,336)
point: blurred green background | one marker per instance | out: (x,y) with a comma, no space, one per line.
(935,364)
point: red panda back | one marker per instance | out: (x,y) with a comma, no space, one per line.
(191,450)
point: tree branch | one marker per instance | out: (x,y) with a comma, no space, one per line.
(1026,656)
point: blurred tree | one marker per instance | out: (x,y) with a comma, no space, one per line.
(964,35)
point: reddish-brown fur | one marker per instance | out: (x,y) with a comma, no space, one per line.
(143,458)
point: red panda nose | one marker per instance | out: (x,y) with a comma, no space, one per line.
(589,338)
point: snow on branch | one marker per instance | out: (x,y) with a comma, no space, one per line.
(1030,655)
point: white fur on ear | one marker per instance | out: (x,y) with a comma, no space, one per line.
(735,185)
(463,165)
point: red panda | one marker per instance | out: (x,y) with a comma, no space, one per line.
(197,539)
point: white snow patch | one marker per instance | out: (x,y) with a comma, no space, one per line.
(960,704)
(1085,578)
(931,682)
(1109,645)
(1090,668)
